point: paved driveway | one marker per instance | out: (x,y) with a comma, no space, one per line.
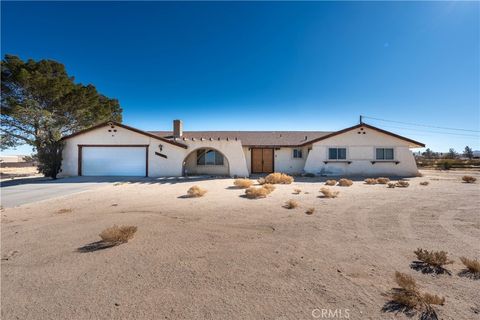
(23,191)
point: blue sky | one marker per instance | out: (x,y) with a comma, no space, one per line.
(267,66)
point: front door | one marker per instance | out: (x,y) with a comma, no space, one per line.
(262,160)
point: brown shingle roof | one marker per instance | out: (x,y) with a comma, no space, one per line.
(253,138)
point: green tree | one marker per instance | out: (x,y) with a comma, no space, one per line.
(452,154)
(428,154)
(40,103)
(468,152)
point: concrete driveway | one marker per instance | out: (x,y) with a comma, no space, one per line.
(22,191)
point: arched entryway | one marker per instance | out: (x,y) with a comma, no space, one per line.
(206,161)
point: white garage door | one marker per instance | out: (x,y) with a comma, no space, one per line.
(114,161)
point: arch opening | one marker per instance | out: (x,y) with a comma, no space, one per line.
(206,161)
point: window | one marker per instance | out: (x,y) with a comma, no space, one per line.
(297,153)
(384,153)
(337,153)
(209,157)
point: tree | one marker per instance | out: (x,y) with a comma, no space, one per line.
(452,154)
(468,152)
(428,154)
(41,103)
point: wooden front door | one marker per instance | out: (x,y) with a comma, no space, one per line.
(262,160)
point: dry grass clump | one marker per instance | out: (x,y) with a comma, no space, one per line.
(261,192)
(473,265)
(118,235)
(261,181)
(297,191)
(278,178)
(402,184)
(196,191)
(469,179)
(391,185)
(331,182)
(310,211)
(431,261)
(345,182)
(328,193)
(290,204)
(370,181)
(382,180)
(424,183)
(408,297)
(61,211)
(242,183)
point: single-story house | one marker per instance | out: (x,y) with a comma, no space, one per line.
(114,149)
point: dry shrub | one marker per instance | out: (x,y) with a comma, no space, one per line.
(290,204)
(331,182)
(424,183)
(243,183)
(402,184)
(469,179)
(61,211)
(297,191)
(310,211)
(278,178)
(196,191)
(370,181)
(391,185)
(261,192)
(328,193)
(473,265)
(269,187)
(409,297)
(118,235)
(345,182)
(261,181)
(383,180)
(431,261)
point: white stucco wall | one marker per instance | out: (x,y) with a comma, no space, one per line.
(361,151)
(157,166)
(286,163)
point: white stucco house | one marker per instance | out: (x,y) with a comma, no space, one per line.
(114,149)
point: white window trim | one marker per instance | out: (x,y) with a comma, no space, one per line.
(347,156)
(384,160)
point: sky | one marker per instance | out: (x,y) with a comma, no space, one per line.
(267,65)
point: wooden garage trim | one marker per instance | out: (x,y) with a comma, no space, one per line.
(80,149)
(181,145)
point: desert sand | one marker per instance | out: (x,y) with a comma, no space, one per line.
(223,256)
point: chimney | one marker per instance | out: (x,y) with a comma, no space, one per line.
(177,128)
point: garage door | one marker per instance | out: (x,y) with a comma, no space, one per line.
(113,161)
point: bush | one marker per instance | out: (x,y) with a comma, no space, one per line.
(383,180)
(261,181)
(196,191)
(424,183)
(446,165)
(310,211)
(297,191)
(243,183)
(431,261)
(391,185)
(410,297)
(290,204)
(331,182)
(469,179)
(402,184)
(370,181)
(118,235)
(260,192)
(278,178)
(345,182)
(472,265)
(328,193)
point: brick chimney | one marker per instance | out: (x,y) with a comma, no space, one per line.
(177,128)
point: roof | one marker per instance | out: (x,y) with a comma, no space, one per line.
(253,138)
(103,124)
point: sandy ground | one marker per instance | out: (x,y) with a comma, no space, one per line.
(226,257)
(11,173)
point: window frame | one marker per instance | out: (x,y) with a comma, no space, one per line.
(216,155)
(298,150)
(375,154)
(336,158)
